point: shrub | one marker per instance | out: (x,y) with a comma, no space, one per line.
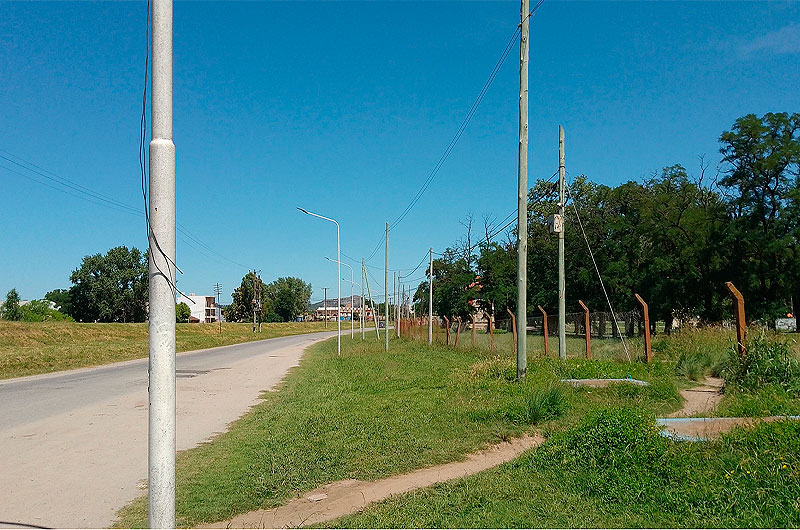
(767,362)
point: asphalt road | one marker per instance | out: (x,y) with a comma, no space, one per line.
(74,444)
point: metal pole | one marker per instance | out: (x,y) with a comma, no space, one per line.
(338,278)
(363,318)
(351,291)
(430,300)
(562,301)
(161,236)
(386,288)
(325,306)
(522,197)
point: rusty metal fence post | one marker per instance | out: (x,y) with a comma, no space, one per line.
(447,329)
(513,328)
(472,316)
(544,321)
(458,332)
(741,323)
(648,351)
(491,332)
(587,325)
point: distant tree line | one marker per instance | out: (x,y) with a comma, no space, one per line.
(114,288)
(673,238)
(282,300)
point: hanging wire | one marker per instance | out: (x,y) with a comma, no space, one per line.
(597,269)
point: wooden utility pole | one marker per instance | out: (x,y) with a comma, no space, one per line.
(648,351)
(371,301)
(386,290)
(430,300)
(741,322)
(546,333)
(218,292)
(522,195)
(587,328)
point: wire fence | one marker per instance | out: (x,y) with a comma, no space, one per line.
(606,333)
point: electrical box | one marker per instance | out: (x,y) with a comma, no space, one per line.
(555,224)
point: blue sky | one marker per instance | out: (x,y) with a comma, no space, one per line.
(344,108)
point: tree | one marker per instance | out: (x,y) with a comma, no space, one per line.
(10,308)
(762,155)
(62,298)
(288,297)
(111,288)
(182,312)
(241,309)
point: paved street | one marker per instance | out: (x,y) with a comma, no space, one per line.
(74,444)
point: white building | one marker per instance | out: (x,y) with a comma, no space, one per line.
(204,308)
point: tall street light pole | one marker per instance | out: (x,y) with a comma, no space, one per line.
(352,284)
(161,272)
(338,278)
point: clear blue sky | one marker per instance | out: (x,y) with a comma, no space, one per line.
(344,108)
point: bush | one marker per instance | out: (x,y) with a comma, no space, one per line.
(767,362)
(40,311)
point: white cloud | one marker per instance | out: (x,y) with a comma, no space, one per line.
(782,41)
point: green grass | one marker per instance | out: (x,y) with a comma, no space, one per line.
(369,414)
(43,347)
(614,470)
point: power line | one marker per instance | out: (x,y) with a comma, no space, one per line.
(78,191)
(460,131)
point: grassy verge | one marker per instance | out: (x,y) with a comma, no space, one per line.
(370,414)
(614,470)
(43,347)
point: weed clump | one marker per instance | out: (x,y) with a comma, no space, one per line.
(767,363)
(538,405)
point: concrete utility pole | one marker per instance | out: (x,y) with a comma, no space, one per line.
(386,288)
(430,299)
(562,295)
(325,306)
(522,197)
(161,272)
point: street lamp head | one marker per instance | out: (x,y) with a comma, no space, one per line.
(302,210)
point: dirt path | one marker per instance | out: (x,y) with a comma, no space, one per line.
(349,496)
(700,399)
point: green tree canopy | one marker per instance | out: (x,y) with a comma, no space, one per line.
(288,297)
(62,298)
(182,312)
(111,287)
(10,308)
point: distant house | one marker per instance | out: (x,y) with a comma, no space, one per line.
(203,308)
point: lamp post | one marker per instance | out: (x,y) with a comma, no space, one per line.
(352,283)
(338,278)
